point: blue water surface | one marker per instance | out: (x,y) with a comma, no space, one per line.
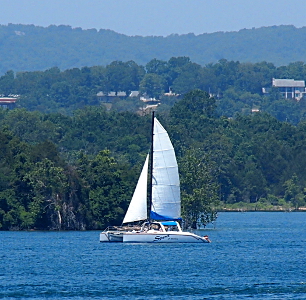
(254,255)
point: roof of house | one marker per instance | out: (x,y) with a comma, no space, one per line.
(112,94)
(287,83)
(6,100)
(134,94)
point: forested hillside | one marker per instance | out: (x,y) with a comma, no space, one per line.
(69,161)
(32,48)
(79,171)
(236,86)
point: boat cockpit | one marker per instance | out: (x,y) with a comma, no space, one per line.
(163,226)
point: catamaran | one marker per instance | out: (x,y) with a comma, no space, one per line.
(161,224)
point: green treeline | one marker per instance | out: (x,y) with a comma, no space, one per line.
(237,87)
(30,48)
(53,174)
(79,171)
(68,162)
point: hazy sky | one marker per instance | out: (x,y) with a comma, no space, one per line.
(155,17)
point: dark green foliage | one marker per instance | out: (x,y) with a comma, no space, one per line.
(199,188)
(236,87)
(55,171)
(48,186)
(108,193)
(254,155)
(194,104)
(153,85)
(56,175)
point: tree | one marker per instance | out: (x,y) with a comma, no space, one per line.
(194,104)
(130,104)
(199,189)
(152,85)
(123,76)
(156,66)
(190,78)
(49,186)
(107,190)
(293,192)
(7,83)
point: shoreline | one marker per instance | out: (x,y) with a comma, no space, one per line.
(260,210)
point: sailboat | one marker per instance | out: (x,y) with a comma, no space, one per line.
(161,223)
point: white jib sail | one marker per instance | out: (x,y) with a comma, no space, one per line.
(137,210)
(166,200)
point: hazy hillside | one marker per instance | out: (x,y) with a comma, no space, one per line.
(29,47)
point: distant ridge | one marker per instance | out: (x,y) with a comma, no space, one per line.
(31,48)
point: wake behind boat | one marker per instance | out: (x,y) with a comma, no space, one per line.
(162,221)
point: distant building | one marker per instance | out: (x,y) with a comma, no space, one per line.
(289,88)
(8,102)
(148,105)
(121,94)
(149,100)
(171,94)
(134,94)
(110,96)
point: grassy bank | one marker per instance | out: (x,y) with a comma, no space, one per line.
(241,207)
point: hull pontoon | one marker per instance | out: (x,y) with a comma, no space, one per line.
(162,232)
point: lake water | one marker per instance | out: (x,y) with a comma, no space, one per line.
(252,255)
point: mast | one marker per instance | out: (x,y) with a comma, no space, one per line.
(151,169)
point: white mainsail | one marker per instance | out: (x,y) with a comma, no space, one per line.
(166,201)
(137,210)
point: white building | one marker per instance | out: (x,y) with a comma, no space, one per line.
(289,88)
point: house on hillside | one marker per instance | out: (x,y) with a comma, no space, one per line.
(108,97)
(149,100)
(8,102)
(148,103)
(289,88)
(171,94)
(134,94)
